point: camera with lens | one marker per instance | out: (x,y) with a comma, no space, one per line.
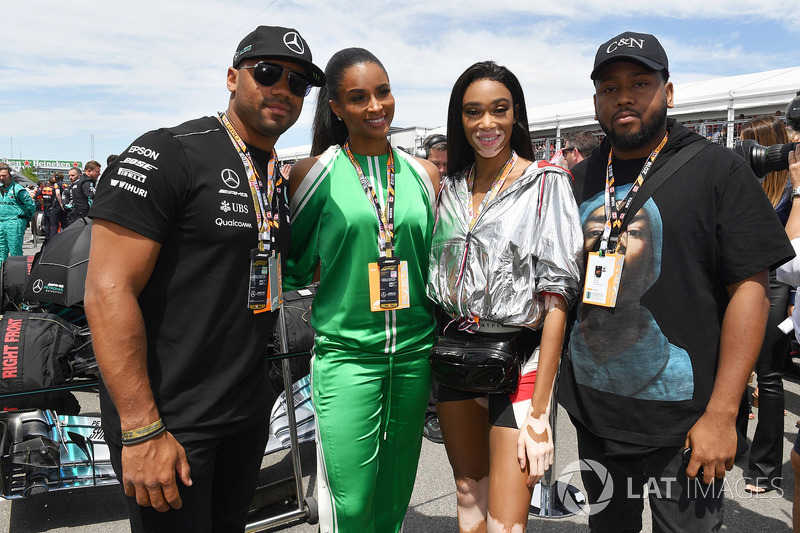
(30,457)
(764,159)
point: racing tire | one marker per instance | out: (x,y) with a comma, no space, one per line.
(37,224)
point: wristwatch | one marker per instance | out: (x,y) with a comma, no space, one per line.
(795,193)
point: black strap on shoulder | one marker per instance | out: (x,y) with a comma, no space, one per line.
(660,176)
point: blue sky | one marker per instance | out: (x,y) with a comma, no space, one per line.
(114,69)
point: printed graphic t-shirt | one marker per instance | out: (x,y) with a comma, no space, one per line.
(186,188)
(643,372)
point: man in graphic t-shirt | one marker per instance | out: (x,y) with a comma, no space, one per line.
(661,370)
(186,221)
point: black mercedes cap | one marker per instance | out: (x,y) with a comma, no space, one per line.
(641,48)
(279,43)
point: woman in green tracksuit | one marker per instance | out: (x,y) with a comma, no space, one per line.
(363,214)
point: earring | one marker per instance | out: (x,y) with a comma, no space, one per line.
(339,118)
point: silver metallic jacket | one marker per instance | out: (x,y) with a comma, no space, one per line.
(526,242)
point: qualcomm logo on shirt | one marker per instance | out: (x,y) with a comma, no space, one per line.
(232,223)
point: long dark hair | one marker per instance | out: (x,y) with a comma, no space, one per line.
(769,130)
(460,155)
(328,129)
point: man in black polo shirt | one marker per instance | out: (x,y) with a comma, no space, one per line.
(661,370)
(82,191)
(181,220)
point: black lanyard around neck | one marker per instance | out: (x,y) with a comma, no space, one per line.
(265,203)
(385,217)
(615,217)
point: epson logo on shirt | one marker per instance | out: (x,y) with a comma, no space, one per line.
(141,150)
(629,42)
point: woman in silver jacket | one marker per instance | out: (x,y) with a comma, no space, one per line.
(505,261)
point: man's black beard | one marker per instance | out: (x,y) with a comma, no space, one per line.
(632,141)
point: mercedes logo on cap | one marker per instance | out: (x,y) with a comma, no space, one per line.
(230,178)
(38,285)
(294,43)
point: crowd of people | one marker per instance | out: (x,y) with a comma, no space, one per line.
(60,201)
(645,261)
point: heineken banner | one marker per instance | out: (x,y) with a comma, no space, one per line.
(50,164)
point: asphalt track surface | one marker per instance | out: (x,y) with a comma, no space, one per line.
(432,508)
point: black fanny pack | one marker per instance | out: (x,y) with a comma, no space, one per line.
(477,363)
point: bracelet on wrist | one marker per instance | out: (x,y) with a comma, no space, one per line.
(135,436)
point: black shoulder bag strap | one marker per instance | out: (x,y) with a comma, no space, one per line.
(660,176)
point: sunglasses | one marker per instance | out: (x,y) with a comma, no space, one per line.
(268,74)
(565,151)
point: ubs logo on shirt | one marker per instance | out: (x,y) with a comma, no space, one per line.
(226,206)
(230,178)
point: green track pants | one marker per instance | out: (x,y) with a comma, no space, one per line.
(12,232)
(369,416)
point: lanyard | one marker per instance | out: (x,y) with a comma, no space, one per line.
(614,217)
(385,217)
(267,219)
(493,190)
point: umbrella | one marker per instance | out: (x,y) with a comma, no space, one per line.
(60,275)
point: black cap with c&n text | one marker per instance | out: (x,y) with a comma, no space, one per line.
(279,43)
(641,48)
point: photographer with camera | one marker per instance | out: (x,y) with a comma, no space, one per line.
(790,273)
(763,471)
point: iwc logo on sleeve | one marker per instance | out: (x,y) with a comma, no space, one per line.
(230,178)
(294,43)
